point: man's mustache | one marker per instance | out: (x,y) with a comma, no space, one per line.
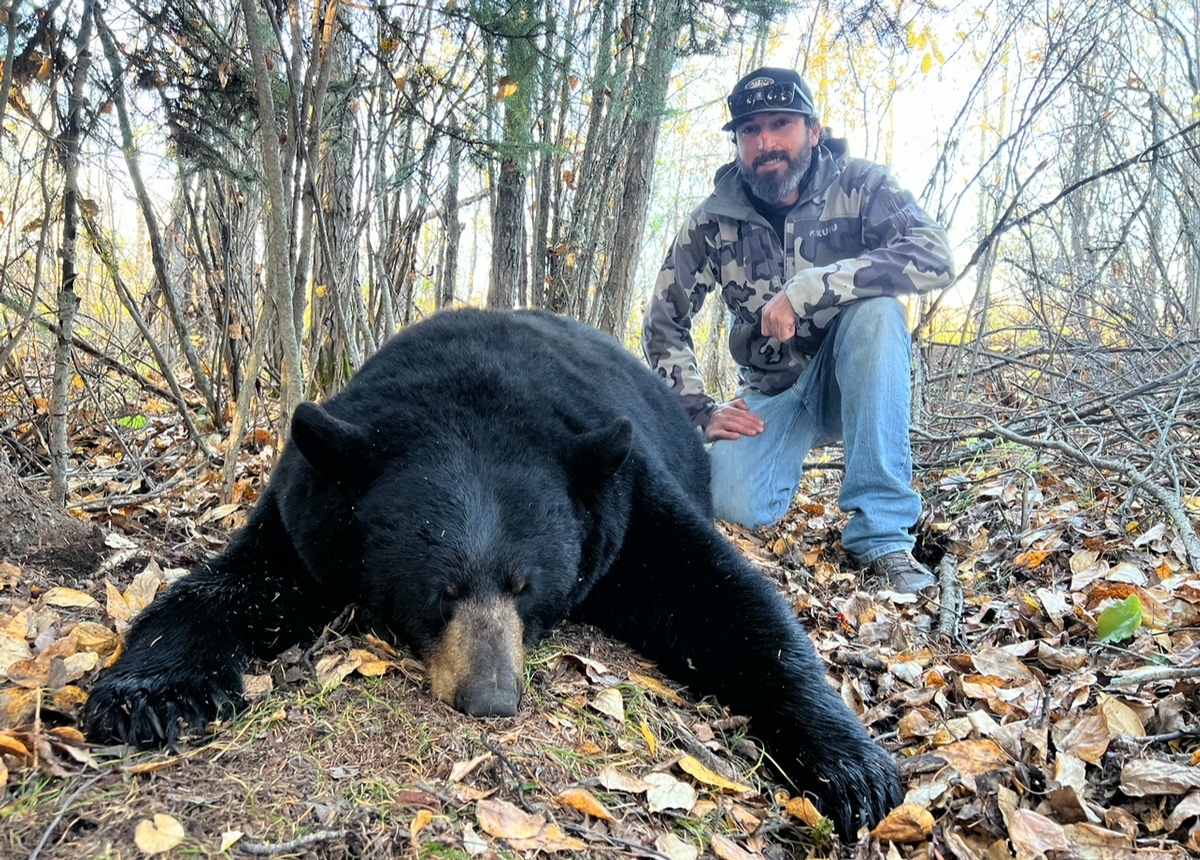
(768,157)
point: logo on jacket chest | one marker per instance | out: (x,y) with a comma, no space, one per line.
(822,232)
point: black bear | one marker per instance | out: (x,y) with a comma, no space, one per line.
(483,476)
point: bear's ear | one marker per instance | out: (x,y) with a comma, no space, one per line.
(336,449)
(595,456)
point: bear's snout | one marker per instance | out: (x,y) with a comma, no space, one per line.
(476,665)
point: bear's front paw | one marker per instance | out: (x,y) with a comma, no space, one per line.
(857,788)
(147,710)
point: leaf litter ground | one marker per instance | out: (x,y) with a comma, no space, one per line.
(1018,734)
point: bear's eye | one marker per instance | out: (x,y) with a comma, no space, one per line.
(519,584)
(451,592)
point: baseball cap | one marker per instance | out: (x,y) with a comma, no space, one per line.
(768,90)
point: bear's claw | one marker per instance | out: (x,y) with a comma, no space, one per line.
(146,712)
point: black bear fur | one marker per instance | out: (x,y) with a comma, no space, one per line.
(482,477)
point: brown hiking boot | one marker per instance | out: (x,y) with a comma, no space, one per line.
(902,572)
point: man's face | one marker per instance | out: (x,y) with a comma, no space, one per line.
(774,151)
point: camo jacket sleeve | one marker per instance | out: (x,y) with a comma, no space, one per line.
(687,276)
(907,251)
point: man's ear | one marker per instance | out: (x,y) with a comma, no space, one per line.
(337,450)
(597,455)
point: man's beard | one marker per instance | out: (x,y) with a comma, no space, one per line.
(776,184)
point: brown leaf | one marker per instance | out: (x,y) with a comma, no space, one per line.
(1121,718)
(1034,836)
(1087,739)
(974,757)
(585,802)
(617,780)
(727,849)
(523,831)
(908,822)
(1145,776)
(675,848)
(460,770)
(610,703)
(16,706)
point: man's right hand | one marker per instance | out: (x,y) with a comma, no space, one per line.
(731,420)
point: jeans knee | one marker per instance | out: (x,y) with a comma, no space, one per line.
(874,318)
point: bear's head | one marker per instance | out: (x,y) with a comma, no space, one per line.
(472,544)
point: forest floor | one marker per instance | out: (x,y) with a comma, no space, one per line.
(1019,735)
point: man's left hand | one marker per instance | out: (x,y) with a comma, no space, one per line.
(779,318)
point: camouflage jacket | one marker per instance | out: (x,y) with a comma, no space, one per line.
(853,234)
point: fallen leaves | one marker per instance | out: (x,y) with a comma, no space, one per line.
(158,836)
(523,831)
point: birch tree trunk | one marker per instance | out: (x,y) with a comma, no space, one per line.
(68,299)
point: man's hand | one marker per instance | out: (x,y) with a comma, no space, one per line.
(779,318)
(731,420)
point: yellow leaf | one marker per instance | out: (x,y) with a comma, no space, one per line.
(162,834)
(44,70)
(802,808)
(69,697)
(370,665)
(322,291)
(659,689)
(926,63)
(699,772)
(651,743)
(1031,559)
(505,87)
(422,818)
(229,838)
(11,746)
(90,636)
(585,802)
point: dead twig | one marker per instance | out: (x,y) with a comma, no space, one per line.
(1156,673)
(267,849)
(524,804)
(1167,737)
(1139,482)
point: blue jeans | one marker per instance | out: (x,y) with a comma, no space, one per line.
(856,390)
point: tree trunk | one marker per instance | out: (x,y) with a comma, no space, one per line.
(453,227)
(157,252)
(68,299)
(508,237)
(278,275)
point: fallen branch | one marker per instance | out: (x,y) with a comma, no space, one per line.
(1157,673)
(1138,479)
(266,849)
(951,597)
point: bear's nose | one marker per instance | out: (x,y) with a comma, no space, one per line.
(488,700)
